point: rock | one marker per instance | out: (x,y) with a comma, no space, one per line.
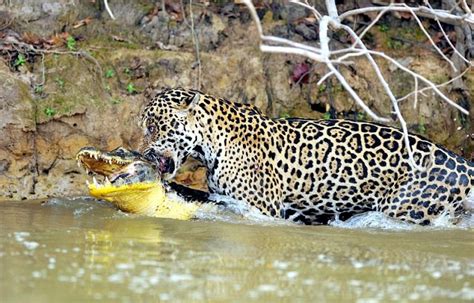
(16,103)
(54,8)
(294,12)
(405,62)
(306,32)
(161,28)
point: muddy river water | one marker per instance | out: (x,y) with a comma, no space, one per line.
(81,250)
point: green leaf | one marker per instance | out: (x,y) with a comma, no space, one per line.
(422,128)
(39,89)
(360,116)
(71,43)
(20,60)
(60,82)
(49,111)
(109,73)
(383,28)
(131,88)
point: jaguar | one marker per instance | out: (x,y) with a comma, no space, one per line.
(306,171)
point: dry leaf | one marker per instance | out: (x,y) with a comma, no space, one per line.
(82,22)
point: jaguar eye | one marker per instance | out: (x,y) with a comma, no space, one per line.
(151,129)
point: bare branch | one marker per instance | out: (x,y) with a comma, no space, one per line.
(429,38)
(107,8)
(420,77)
(323,78)
(447,38)
(196,44)
(421,91)
(415,103)
(423,11)
(290,43)
(332,9)
(380,15)
(330,58)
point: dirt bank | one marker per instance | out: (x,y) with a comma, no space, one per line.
(86,89)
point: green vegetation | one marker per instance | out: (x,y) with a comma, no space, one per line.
(322,88)
(361,116)
(126,71)
(59,82)
(131,88)
(384,28)
(327,116)
(116,101)
(48,111)
(285,115)
(109,73)
(39,89)
(71,43)
(20,60)
(422,126)
(394,44)
(337,88)
(401,37)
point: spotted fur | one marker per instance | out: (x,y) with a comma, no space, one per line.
(305,170)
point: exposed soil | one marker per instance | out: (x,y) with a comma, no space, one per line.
(86,87)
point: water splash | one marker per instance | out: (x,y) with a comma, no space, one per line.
(373,220)
(378,220)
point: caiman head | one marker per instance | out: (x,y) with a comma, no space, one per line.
(130,182)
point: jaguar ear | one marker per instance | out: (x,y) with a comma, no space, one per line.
(191,102)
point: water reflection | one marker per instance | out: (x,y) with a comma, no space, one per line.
(81,250)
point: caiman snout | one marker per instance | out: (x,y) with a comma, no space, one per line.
(165,164)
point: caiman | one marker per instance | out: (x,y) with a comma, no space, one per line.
(134,185)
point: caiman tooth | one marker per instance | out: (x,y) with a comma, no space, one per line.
(87,182)
(95,182)
(107,181)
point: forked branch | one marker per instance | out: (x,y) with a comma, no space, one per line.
(332,57)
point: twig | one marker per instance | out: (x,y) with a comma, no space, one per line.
(7,24)
(196,44)
(447,38)
(380,15)
(415,102)
(420,77)
(430,39)
(421,91)
(27,47)
(423,11)
(323,78)
(43,71)
(306,5)
(107,8)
